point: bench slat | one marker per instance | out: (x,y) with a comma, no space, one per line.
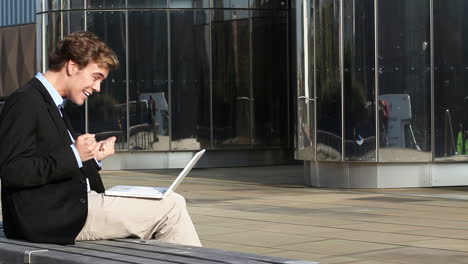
(134,251)
(173,250)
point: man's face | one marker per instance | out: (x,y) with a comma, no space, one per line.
(84,82)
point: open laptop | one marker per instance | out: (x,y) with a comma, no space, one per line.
(154,192)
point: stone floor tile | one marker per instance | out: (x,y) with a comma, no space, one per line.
(260,238)
(336,247)
(415,255)
(238,247)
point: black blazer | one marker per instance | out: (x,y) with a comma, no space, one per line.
(44,197)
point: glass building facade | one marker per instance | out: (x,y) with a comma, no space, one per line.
(381,99)
(194,74)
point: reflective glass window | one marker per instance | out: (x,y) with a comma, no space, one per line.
(451,80)
(359,79)
(404,102)
(272,4)
(105,4)
(72,4)
(146,3)
(328,80)
(149,106)
(269,78)
(190,80)
(107,110)
(230,3)
(231,78)
(189,4)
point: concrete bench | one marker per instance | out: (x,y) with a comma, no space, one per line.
(125,251)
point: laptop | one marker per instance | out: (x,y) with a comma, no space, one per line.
(154,192)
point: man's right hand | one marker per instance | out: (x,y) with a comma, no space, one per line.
(86,146)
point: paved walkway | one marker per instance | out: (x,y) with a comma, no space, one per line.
(266,210)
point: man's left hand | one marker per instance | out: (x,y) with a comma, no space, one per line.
(105,148)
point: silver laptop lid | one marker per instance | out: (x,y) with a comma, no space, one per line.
(184,172)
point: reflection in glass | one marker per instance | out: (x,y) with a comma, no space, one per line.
(148,86)
(190,80)
(328,84)
(72,4)
(230,3)
(404,80)
(107,109)
(359,80)
(53,29)
(231,78)
(451,80)
(105,4)
(189,3)
(269,78)
(272,4)
(147,3)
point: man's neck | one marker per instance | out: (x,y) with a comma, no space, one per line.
(57,80)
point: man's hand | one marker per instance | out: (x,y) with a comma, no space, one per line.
(105,148)
(86,146)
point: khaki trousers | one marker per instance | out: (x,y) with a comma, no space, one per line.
(111,217)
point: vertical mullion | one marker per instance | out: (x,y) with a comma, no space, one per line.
(251,101)
(169,74)
(341,41)
(376,73)
(314,130)
(127,80)
(431,22)
(210,25)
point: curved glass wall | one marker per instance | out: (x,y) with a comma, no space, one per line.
(381,80)
(194,73)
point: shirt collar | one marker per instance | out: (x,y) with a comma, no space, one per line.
(58,100)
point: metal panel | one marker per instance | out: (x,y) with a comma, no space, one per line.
(17,12)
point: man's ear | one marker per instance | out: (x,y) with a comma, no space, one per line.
(71,67)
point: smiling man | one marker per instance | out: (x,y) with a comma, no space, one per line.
(51,188)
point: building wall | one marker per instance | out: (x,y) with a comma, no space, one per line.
(17,56)
(16,12)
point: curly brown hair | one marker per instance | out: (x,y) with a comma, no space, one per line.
(82,47)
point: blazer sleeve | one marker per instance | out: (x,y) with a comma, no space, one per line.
(22,165)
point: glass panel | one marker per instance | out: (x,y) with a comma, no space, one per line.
(329,140)
(107,110)
(269,77)
(189,3)
(148,71)
(190,80)
(73,4)
(359,80)
(147,3)
(105,4)
(51,5)
(74,21)
(404,80)
(53,30)
(272,4)
(231,78)
(451,80)
(230,3)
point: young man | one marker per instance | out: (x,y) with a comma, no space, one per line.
(51,188)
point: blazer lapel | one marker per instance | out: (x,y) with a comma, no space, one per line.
(53,111)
